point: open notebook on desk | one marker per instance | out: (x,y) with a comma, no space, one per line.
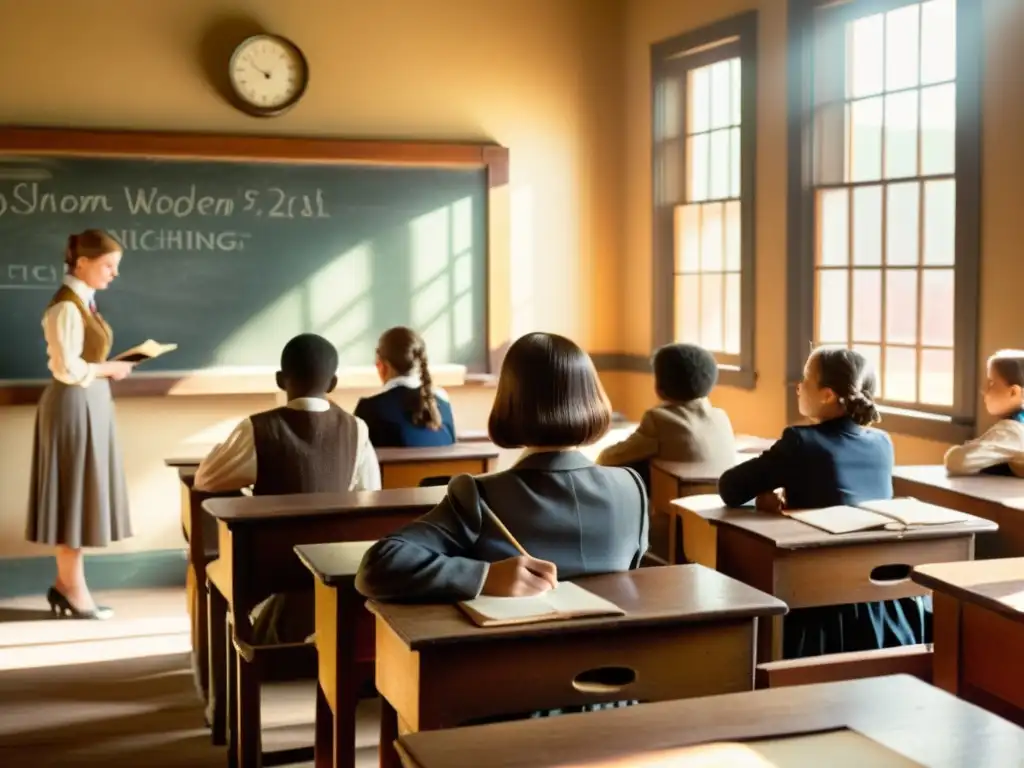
(892,514)
(566,601)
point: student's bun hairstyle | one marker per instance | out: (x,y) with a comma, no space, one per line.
(684,372)
(1009,366)
(405,351)
(310,360)
(89,244)
(851,377)
(548,396)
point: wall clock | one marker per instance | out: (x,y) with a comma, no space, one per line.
(268,75)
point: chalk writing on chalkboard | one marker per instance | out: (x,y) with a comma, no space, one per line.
(28,277)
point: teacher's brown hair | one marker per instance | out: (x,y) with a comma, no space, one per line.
(89,244)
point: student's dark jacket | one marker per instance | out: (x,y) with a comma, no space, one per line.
(388,416)
(822,465)
(560,506)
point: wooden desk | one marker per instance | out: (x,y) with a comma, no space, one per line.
(257,536)
(807,567)
(999,499)
(672,480)
(916,720)
(979,631)
(436,669)
(344,644)
(406,467)
(753,444)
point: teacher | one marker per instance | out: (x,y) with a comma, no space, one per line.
(78,497)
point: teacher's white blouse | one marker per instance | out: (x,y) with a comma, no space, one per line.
(64,331)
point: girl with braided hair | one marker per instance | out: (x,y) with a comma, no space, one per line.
(409,412)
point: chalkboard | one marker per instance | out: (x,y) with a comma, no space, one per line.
(231,258)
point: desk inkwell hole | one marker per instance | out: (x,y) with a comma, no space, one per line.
(602,680)
(887,575)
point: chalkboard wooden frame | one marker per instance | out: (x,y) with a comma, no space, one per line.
(494,158)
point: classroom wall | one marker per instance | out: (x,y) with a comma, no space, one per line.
(543,78)
(763,410)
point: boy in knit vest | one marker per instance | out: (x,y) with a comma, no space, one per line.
(309,445)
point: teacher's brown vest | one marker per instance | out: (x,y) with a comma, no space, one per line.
(98,335)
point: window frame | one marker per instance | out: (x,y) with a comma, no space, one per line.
(960,422)
(723,40)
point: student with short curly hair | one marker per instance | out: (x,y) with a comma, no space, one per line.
(684,426)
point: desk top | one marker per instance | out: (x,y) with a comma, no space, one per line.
(786,533)
(994,584)
(662,596)
(753,444)
(476,446)
(240,509)
(696,471)
(1008,491)
(913,718)
(333,564)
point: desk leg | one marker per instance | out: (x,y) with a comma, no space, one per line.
(249,737)
(769,639)
(388,734)
(946,630)
(337,613)
(324,744)
(217,647)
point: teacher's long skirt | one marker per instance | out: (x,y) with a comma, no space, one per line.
(78,496)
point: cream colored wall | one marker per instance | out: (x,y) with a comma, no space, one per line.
(542,78)
(763,410)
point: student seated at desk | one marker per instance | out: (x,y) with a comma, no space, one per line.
(837,460)
(409,412)
(684,426)
(1000,451)
(309,445)
(573,517)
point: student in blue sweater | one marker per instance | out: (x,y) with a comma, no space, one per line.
(837,459)
(409,412)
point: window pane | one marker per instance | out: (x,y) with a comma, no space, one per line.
(867,305)
(867,225)
(687,238)
(901,306)
(721,94)
(737,92)
(900,374)
(711,331)
(711,238)
(698,101)
(864,65)
(697,168)
(902,224)
(720,172)
(832,306)
(938,129)
(873,354)
(937,376)
(901,52)
(688,309)
(938,41)
(901,135)
(732,314)
(734,163)
(733,236)
(937,293)
(866,132)
(940,222)
(833,220)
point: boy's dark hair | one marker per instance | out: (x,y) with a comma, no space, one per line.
(405,351)
(309,361)
(849,374)
(1009,365)
(684,372)
(548,396)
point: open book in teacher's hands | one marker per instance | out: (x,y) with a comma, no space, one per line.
(566,601)
(147,350)
(891,514)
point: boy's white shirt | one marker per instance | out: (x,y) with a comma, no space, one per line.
(1003,443)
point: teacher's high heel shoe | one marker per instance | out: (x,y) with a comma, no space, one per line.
(61,606)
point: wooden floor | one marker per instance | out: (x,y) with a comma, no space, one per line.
(120,692)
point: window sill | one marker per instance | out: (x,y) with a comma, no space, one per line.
(898,421)
(734,376)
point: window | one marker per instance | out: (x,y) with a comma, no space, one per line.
(884,225)
(704,134)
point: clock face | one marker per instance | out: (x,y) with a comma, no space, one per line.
(268,74)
